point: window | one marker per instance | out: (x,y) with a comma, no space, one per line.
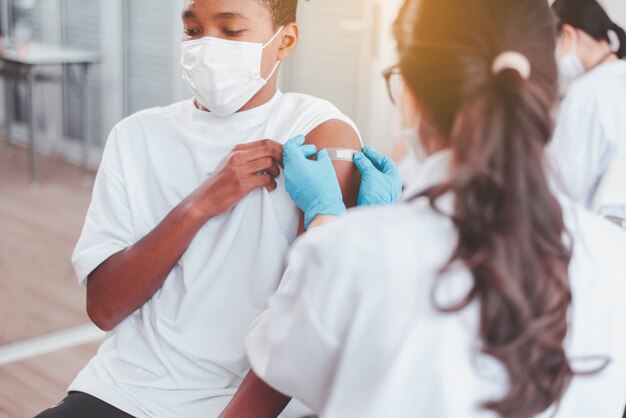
(81,30)
(148,54)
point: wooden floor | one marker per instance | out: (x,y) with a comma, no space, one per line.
(38,290)
(33,385)
(38,230)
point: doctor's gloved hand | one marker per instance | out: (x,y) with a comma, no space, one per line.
(381,183)
(312,185)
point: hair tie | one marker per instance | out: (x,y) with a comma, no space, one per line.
(614,41)
(511,60)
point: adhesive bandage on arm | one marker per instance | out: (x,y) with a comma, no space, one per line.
(341,154)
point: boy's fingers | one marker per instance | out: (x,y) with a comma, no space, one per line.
(266,151)
(274,171)
(261,180)
(258,144)
(272,187)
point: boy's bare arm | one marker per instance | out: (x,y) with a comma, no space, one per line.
(255,399)
(339,134)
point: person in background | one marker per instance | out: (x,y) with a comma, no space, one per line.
(487,292)
(589,145)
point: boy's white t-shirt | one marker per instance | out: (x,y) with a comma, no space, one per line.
(182,354)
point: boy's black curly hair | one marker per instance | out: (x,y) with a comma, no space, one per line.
(283,11)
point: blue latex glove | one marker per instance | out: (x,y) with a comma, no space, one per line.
(381,183)
(312,185)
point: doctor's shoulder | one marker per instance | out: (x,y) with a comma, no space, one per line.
(391,235)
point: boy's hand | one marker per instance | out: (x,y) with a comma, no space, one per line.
(247,168)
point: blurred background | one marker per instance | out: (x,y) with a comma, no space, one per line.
(344,48)
(82,66)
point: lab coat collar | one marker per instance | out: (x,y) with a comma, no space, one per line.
(434,171)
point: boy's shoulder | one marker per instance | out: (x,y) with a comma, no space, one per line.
(305,104)
(133,131)
(173,109)
(304,112)
(294,103)
(305,100)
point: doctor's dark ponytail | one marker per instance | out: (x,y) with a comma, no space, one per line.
(512,236)
(591,18)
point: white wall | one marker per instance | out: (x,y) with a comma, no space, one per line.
(344,48)
(329,59)
(380,112)
(617,10)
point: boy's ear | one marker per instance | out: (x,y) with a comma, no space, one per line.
(289,41)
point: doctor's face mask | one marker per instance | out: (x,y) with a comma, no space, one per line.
(407,122)
(224,74)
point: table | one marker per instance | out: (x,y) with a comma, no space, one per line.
(29,65)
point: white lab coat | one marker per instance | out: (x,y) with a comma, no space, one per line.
(591,132)
(610,199)
(353,332)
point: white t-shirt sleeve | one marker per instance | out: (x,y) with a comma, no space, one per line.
(307,113)
(289,346)
(108,226)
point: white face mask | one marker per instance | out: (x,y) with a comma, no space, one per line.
(570,66)
(411,163)
(412,139)
(224,75)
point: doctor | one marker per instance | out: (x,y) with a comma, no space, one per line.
(482,294)
(589,145)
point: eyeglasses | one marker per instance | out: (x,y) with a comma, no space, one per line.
(395,83)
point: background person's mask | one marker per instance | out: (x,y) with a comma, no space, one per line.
(570,66)
(224,75)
